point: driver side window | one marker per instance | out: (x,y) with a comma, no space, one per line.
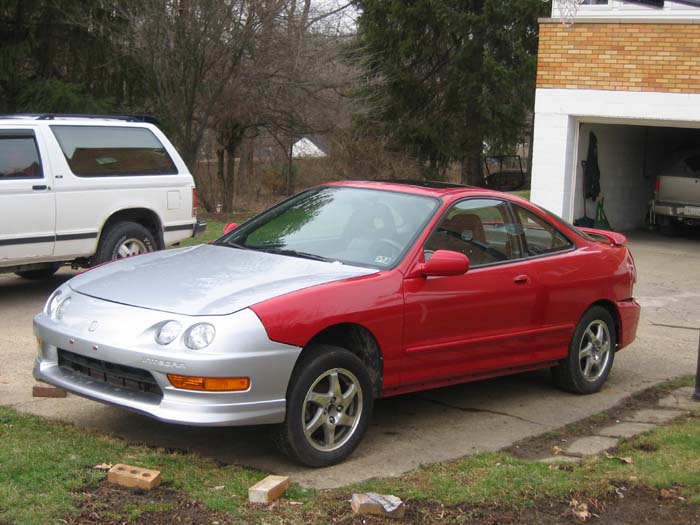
(481,229)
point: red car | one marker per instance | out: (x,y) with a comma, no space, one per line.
(340,295)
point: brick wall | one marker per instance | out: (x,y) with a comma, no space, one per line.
(620,56)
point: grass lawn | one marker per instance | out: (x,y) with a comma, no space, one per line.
(46,473)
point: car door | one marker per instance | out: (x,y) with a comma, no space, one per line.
(27,203)
(479,322)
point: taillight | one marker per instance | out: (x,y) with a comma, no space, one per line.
(657,186)
(195,202)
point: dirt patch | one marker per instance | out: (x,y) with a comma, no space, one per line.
(636,506)
(111,504)
(542,446)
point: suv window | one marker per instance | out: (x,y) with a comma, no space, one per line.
(540,236)
(19,157)
(481,229)
(93,151)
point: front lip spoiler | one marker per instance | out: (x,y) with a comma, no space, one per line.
(262,412)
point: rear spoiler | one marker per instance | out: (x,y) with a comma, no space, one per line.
(613,238)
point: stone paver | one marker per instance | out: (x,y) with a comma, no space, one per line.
(681,399)
(590,445)
(654,415)
(624,429)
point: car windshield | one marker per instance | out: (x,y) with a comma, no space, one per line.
(357,226)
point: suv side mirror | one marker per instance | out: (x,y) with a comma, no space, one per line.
(230,227)
(444,263)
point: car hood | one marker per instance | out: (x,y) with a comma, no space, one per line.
(207,279)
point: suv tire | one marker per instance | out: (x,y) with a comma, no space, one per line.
(122,240)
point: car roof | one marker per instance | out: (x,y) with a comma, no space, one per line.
(77,119)
(428,188)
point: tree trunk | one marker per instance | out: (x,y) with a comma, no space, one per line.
(472,172)
(229,186)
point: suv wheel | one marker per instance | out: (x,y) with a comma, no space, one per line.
(122,240)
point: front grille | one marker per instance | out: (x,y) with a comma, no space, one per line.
(125,377)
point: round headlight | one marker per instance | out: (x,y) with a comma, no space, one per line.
(168,332)
(200,336)
(61,309)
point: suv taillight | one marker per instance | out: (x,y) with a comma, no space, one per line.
(195,202)
(657,186)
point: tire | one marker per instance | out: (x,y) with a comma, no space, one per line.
(43,273)
(123,237)
(311,397)
(588,364)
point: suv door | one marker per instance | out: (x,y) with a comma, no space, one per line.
(479,322)
(27,202)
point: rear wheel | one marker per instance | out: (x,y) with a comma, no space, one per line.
(591,354)
(122,240)
(329,404)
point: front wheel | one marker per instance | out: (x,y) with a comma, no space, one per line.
(329,404)
(591,354)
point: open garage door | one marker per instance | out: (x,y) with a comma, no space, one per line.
(631,158)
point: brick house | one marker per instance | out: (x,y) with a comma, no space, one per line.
(629,72)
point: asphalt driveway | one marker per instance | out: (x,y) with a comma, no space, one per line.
(408,430)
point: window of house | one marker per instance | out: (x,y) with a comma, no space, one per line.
(93,151)
(540,237)
(481,229)
(19,157)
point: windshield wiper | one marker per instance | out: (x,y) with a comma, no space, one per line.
(295,253)
(236,245)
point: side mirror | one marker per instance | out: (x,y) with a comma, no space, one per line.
(444,263)
(230,227)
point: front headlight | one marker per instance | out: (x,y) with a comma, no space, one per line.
(199,336)
(168,332)
(53,302)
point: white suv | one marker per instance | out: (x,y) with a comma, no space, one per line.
(86,190)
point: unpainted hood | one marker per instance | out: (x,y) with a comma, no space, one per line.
(207,279)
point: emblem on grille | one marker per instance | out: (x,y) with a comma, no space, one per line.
(93,326)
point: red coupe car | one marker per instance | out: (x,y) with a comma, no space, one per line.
(340,295)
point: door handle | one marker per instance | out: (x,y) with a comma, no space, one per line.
(522,279)
(40,187)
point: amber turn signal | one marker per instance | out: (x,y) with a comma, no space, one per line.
(210,384)
(38,342)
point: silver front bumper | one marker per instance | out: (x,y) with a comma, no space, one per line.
(241,349)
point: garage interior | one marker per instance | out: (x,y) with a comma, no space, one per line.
(629,158)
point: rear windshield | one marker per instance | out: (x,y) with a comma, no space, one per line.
(95,151)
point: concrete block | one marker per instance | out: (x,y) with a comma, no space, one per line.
(41,390)
(624,429)
(654,415)
(128,476)
(268,489)
(590,445)
(681,399)
(378,504)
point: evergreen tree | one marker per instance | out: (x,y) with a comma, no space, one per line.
(446,77)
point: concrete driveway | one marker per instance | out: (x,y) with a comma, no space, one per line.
(409,430)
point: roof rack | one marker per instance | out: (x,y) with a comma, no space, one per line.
(52,116)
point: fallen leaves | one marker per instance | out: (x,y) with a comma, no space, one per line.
(580,510)
(103,466)
(627,459)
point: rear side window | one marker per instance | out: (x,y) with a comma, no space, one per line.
(540,236)
(95,151)
(19,157)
